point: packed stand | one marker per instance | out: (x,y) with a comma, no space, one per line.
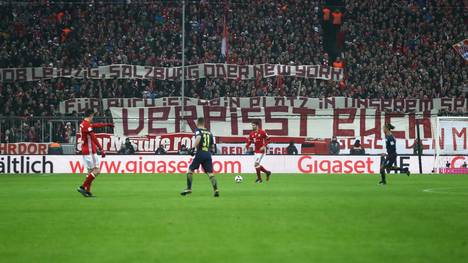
(404,48)
(381,54)
(82,35)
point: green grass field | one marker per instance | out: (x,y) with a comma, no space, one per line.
(293,218)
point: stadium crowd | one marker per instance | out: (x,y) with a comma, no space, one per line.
(388,48)
(404,48)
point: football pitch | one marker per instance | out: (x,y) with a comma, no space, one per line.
(292,218)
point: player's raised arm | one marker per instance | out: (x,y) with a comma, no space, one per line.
(101,125)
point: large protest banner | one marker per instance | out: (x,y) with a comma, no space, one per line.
(279,121)
(397,105)
(192,72)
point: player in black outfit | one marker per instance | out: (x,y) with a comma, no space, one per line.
(202,151)
(389,161)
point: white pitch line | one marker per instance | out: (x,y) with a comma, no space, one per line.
(446,190)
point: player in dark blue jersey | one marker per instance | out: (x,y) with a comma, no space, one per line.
(388,162)
(204,143)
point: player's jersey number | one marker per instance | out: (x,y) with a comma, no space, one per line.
(206,142)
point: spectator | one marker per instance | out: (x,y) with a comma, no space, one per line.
(127,148)
(69,134)
(357,149)
(464,165)
(291,149)
(326,14)
(447,164)
(337,17)
(338,63)
(334,147)
(9,137)
(183,150)
(161,150)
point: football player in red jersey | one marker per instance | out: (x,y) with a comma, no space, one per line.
(260,140)
(90,144)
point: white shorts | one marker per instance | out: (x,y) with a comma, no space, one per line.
(91,161)
(259,157)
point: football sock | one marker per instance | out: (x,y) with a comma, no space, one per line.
(189,181)
(382,175)
(259,177)
(87,182)
(263,169)
(214,182)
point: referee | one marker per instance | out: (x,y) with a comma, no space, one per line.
(388,161)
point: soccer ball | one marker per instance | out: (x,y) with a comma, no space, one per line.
(238,179)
